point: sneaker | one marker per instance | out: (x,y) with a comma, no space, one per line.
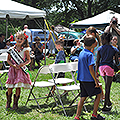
(109,105)
(76,118)
(106,110)
(98,117)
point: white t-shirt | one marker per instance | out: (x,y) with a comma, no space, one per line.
(28,33)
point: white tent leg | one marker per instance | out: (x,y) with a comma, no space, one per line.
(45,41)
(6,28)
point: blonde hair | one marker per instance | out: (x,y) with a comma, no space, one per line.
(25,43)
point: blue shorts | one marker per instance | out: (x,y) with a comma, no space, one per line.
(88,89)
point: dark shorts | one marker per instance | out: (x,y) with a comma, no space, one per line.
(88,89)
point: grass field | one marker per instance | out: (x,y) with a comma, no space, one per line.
(31,111)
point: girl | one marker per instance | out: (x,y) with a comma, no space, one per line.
(60,58)
(16,77)
(105,64)
(92,31)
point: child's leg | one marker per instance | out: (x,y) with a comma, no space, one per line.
(9,91)
(108,82)
(102,93)
(80,105)
(96,103)
(16,98)
(9,95)
(18,91)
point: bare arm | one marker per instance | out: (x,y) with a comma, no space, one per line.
(31,37)
(92,72)
(98,61)
(48,38)
(74,49)
(116,29)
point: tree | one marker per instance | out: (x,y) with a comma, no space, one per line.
(67,11)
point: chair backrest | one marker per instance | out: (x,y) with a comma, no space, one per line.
(63,67)
(44,69)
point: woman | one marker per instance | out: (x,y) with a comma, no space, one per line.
(37,48)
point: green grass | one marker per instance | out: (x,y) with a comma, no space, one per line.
(31,111)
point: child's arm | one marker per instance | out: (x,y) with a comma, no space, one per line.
(97,61)
(92,72)
(10,63)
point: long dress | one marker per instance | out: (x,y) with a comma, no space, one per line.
(16,77)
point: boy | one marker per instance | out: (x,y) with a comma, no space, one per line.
(88,84)
(60,58)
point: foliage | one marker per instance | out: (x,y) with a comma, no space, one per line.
(64,11)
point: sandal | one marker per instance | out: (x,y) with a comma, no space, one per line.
(98,117)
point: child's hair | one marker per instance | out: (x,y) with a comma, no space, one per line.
(60,42)
(25,44)
(53,27)
(75,41)
(106,36)
(93,30)
(89,40)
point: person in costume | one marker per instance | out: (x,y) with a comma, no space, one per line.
(17,78)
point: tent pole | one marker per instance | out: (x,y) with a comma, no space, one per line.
(45,41)
(6,28)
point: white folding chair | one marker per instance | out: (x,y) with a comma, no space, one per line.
(3,58)
(41,84)
(65,67)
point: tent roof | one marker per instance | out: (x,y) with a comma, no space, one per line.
(59,28)
(98,21)
(18,10)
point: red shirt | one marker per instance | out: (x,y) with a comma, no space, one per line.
(11,38)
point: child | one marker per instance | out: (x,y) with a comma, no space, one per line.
(16,77)
(105,64)
(60,58)
(88,84)
(92,31)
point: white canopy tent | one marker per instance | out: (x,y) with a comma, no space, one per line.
(17,10)
(11,9)
(59,28)
(98,21)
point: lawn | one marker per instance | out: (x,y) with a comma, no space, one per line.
(32,112)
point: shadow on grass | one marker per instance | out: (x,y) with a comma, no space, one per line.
(4,88)
(20,110)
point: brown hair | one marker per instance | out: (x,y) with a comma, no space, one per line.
(60,42)
(89,40)
(74,42)
(93,30)
(37,38)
